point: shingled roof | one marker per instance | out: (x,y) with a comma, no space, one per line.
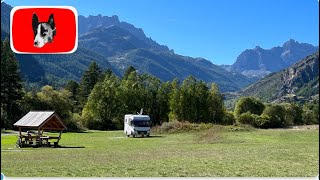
(41,120)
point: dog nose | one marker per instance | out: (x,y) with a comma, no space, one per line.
(36,43)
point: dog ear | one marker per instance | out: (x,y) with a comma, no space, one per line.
(54,32)
(51,21)
(35,21)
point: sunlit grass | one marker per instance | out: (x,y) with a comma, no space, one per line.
(214,152)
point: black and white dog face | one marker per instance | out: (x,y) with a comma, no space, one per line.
(44,32)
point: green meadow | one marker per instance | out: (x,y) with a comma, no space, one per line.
(215,152)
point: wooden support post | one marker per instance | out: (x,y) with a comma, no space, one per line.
(38,137)
(59,137)
(20,137)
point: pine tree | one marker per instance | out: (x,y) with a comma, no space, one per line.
(73,87)
(217,109)
(89,79)
(129,70)
(175,101)
(11,87)
(103,106)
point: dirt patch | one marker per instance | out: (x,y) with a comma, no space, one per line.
(210,136)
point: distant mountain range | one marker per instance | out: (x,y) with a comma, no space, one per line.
(168,66)
(93,22)
(298,82)
(259,62)
(118,45)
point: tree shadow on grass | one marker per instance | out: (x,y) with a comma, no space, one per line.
(156,136)
(77,131)
(71,147)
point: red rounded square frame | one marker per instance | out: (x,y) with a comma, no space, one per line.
(21,32)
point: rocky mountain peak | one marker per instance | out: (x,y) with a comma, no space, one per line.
(300,80)
(258,48)
(291,43)
(263,61)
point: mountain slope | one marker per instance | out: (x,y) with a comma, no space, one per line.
(301,79)
(260,62)
(105,39)
(167,66)
(89,23)
(110,40)
(63,67)
(5,18)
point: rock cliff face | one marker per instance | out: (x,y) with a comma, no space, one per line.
(300,74)
(259,62)
(300,81)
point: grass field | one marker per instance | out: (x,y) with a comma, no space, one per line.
(227,152)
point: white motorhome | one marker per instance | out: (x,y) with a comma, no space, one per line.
(136,125)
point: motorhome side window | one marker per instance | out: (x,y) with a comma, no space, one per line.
(140,123)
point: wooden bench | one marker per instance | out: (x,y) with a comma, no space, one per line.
(45,140)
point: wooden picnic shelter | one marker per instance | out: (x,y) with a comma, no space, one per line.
(39,121)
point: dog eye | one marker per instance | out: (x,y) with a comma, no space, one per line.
(44,32)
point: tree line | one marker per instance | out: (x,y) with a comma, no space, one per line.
(101,99)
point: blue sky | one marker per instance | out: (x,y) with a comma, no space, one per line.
(217,30)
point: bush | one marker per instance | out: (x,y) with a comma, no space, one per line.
(228,118)
(75,122)
(262,121)
(248,104)
(276,114)
(246,118)
(311,113)
(293,115)
(177,126)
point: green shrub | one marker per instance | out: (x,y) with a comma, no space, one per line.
(311,113)
(262,121)
(248,104)
(276,114)
(246,118)
(293,115)
(177,126)
(228,118)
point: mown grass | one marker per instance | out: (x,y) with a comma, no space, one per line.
(218,151)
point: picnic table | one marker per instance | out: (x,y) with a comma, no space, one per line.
(39,121)
(38,141)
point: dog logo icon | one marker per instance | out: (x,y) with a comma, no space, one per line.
(44,32)
(44,29)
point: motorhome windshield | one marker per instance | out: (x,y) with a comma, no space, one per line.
(141,123)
